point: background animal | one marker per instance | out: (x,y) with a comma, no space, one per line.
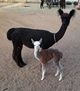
(20,36)
(52,3)
(48,2)
(62,4)
(44,56)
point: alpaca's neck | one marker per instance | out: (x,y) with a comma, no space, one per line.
(61,32)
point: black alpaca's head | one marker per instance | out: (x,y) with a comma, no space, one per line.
(65,17)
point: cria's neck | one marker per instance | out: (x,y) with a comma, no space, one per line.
(37,53)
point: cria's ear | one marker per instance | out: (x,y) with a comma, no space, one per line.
(60,12)
(72,13)
(40,40)
(32,40)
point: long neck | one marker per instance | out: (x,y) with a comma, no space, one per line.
(61,32)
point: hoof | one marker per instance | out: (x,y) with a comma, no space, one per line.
(60,79)
(57,74)
(42,79)
(22,65)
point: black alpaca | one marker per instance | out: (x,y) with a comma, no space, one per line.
(20,36)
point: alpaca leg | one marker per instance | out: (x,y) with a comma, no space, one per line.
(58,70)
(17,54)
(61,71)
(43,71)
(41,5)
(61,75)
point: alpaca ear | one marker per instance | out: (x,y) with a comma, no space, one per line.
(40,40)
(32,40)
(60,12)
(72,13)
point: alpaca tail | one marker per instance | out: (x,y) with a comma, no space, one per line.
(10,31)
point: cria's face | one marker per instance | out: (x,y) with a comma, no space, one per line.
(37,43)
(37,46)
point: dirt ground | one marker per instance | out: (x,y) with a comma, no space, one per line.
(13,78)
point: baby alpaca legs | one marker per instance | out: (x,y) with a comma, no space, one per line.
(43,71)
(59,71)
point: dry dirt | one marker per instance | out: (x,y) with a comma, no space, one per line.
(13,78)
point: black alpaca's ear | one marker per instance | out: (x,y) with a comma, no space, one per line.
(72,13)
(40,40)
(32,40)
(60,11)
